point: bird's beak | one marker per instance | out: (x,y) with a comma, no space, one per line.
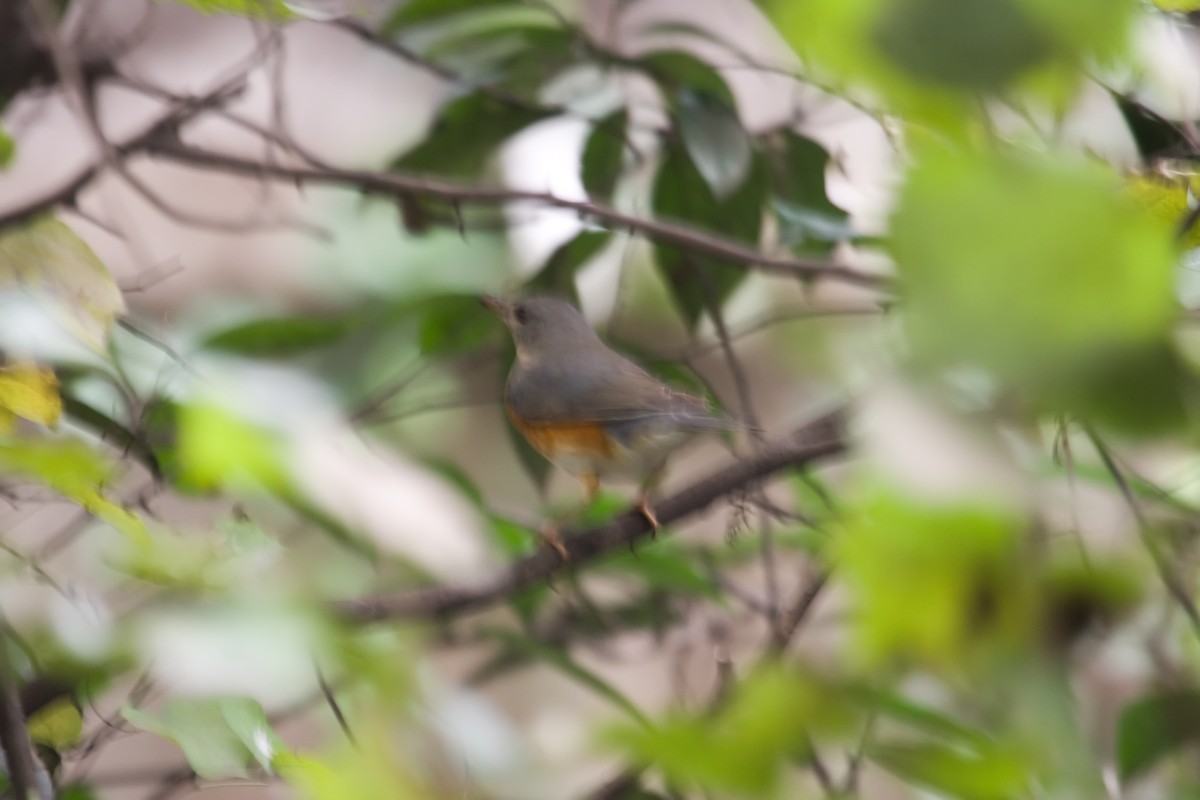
(495,305)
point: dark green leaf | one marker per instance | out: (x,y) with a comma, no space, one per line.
(466,134)
(675,70)
(988,774)
(966,44)
(681,193)
(76,792)
(800,202)
(713,135)
(603,155)
(557,275)
(415,12)
(279,336)
(1154,726)
(1155,136)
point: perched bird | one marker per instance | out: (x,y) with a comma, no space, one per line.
(588,409)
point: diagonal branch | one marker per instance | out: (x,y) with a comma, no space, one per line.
(397,184)
(821,438)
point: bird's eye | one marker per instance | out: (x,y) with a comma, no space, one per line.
(521,315)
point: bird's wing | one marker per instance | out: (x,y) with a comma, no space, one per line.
(612,390)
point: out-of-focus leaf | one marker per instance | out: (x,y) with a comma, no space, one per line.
(1076,596)
(603,155)
(57,725)
(1155,136)
(1167,198)
(452,324)
(989,773)
(744,747)
(918,716)
(804,210)
(1153,727)
(968,44)
(368,771)
(219,736)
(279,337)
(77,792)
(713,135)
(989,246)
(29,392)
(217,448)
(467,132)
(558,658)
(557,275)
(929,58)
(8,148)
(75,471)
(414,12)
(676,70)
(929,582)
(255,9)
(666,566)
(48,261)
(681,193)
(513,540)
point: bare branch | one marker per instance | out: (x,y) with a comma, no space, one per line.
(819,439)
(22,774)
(397,185)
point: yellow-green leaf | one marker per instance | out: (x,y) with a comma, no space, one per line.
(30,392)
(57,725)
(46,260)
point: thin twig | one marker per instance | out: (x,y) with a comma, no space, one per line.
(397,184)
(1170,580)
(14,738)
(332,702)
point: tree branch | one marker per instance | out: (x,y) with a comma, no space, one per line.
(399,184)
(13,737)
(819,439)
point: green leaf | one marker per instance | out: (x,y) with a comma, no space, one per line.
(799,200)
(47,261)
(676,70)
(682,194)
(255,9)
(743,747)
(929,582)
(219,736)
(966,44)
(467,132)
(558,658)
(57,725)
(988,774)
(279,337)
(75,471)
(1155,136)
(8,149)
(29,392)
(557,275)
(988,248)
(921,717)
(604,155)
(217,448)
(1154,726)
(715,140)
(513,539)
(666,566)
(415,12)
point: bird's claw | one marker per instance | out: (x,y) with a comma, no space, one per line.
(646,511)
(551,538)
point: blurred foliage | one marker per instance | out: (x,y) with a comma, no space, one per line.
(1036,303)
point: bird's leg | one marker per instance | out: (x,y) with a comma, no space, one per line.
(591,485)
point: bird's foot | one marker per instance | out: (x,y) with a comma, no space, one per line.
(551,538)
(647,511)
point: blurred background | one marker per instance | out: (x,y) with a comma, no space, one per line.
(294,397)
